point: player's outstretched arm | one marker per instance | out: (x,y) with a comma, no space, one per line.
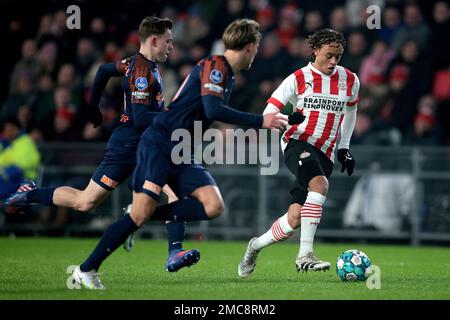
(216,110)
(274,120)
(104,73)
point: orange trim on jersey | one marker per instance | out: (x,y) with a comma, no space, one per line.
(152,187)
(277,103)
(109,182)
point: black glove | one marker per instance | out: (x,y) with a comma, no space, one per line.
(296,118)
(346,159)
(95,116)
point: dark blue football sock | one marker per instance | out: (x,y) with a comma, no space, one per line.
(113,237)
(41,196)
(175,235)
(188,209)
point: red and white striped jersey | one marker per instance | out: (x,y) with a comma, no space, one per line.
(323,100)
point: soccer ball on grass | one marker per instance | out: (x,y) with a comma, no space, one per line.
(353,265)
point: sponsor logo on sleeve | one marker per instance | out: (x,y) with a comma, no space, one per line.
(213,87)
(153,187)
(216,76)
(138,95)
(109,182)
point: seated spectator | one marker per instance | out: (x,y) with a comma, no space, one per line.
(414,29)
(272,54)
(21,96)
(441,85)
(390,25)
(47,57)
(19,157)
(27,65)
(355,53)
(313,22)
(440,52)
(67,78)
(86,56)
(288,24)
(299,54)
(373,66)
(266,18)
(63,123)
(339,20)
(425,130)
(43,101)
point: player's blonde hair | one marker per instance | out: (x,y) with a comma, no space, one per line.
(241,32)
(153,26)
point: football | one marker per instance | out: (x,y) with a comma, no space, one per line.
(353,265)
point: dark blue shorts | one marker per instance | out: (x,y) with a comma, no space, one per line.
(155,167)
(117,165)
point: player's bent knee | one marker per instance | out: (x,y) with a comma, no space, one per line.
(214,208)
(86,206)
(319,184)
(139,221)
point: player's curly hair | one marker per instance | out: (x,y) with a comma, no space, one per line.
(324,37)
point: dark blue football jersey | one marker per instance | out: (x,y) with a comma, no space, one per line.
(143,96)
(211,76)
(203,96)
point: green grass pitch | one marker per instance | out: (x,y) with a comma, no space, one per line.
(35,268)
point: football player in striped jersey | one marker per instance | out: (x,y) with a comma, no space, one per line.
(324,96)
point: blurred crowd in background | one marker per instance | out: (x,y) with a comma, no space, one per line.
(404,66)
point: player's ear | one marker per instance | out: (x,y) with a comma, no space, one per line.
(249,47)
(153,41)
(316,52)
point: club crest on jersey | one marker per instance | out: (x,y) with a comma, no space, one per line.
(216,76)
(342,85)
(305,154)
(141,83)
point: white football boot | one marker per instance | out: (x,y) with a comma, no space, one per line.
(311,262)
(129,241)
(90,280)
(248,263)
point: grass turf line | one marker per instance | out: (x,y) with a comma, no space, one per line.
(35,268)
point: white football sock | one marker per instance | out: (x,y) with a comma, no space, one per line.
(310,218)
(280,231)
